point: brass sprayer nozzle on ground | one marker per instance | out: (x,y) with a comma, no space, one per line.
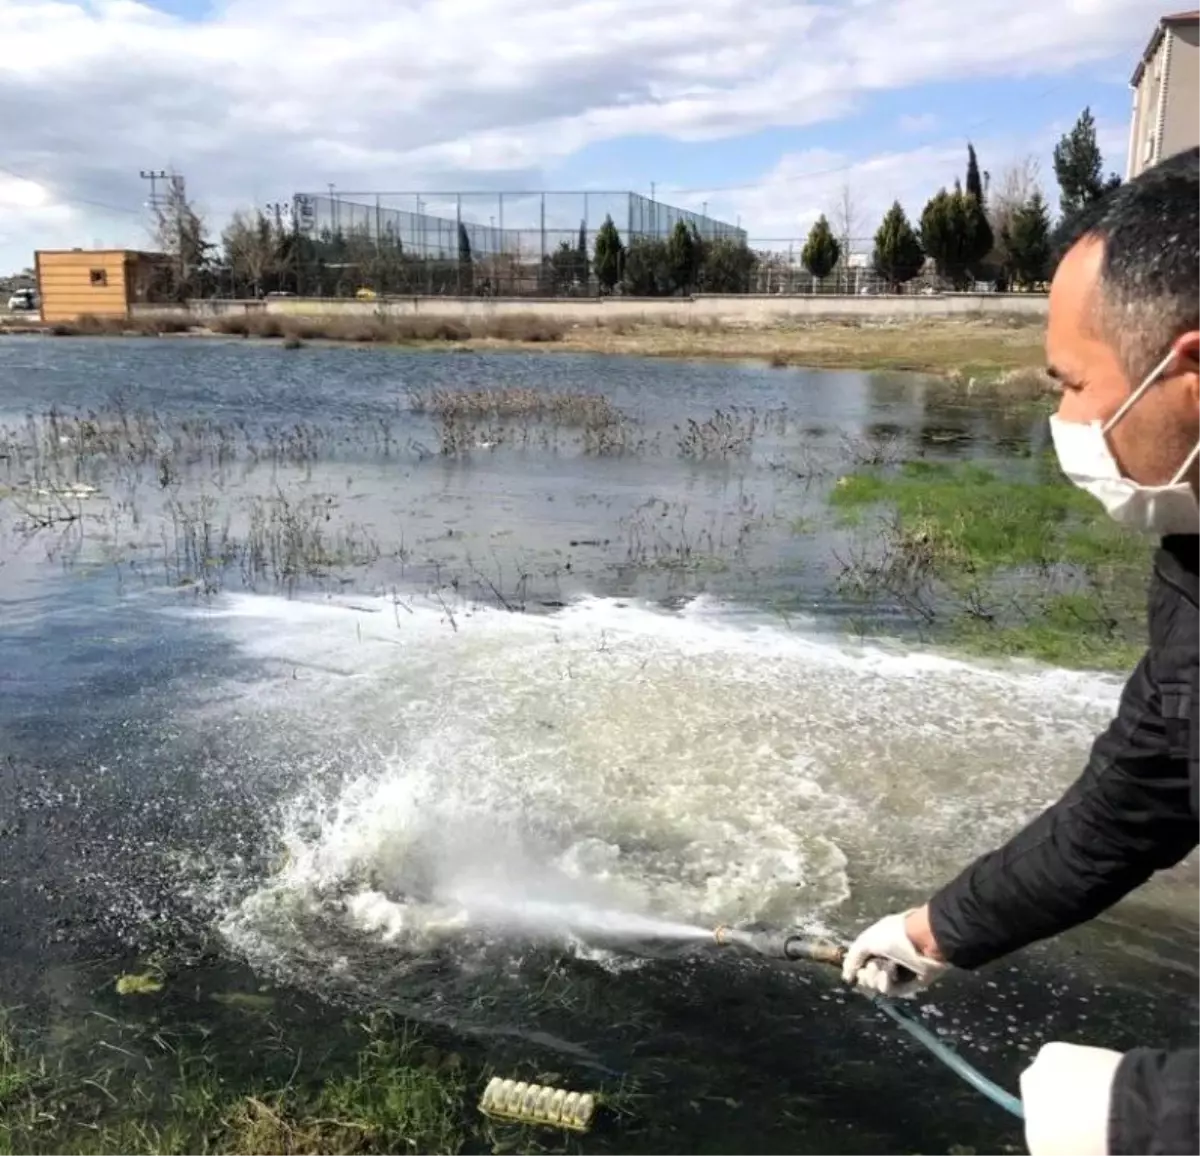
(782,945)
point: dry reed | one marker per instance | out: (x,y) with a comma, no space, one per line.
(377,329)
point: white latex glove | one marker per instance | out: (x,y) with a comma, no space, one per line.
(1066,1092)
(874,958)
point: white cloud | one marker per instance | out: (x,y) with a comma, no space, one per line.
(20,195)
(270,96)
(784,203)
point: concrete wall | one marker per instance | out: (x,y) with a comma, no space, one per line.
(1166,115)
(733,309)
(1143,134)
(1181,120)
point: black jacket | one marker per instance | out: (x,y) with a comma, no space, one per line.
(1132,812)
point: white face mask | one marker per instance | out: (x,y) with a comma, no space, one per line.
(1085,458)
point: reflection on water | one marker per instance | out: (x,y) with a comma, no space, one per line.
(296,799)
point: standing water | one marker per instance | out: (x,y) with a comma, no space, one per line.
(306,720)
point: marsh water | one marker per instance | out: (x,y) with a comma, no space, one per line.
(289,697)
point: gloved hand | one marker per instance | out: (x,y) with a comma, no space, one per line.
(875,957)
(1066,1093)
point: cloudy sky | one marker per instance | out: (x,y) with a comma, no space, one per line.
(763,110)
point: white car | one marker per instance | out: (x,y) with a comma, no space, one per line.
(23,301)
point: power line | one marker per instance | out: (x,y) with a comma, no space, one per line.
(71,200)
(153,176)
(678,190)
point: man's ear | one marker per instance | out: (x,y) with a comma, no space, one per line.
(1187,359)
(1187,349)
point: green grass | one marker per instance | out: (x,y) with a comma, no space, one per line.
(399,1096)
(1001,565)
(136,1088)
(1071,630)
(993,522)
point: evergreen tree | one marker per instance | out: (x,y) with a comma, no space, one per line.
(980,241)
(727,266)
(898,254)
(945,234)
(682,257)
(956,234)
(581,251)
(466,267)
(648,268)
(1079,166)
(610,256)
(974,184)
(563,263)
(821,250)
(1027,243)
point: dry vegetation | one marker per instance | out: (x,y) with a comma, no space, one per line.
(525,328)
(970,348)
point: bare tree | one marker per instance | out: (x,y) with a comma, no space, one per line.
(180,232)
(1017,184)
(251,248)
(846,218)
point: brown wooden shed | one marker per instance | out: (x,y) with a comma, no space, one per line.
(102,282)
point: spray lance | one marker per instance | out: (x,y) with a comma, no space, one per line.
(797,948)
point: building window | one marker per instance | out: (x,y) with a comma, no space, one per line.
(99,277)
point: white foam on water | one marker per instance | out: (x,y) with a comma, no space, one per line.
(700,766)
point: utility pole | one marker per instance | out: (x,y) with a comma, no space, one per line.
(178,203)
(154,204)
(277,210)
(153,177)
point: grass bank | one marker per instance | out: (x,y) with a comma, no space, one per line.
(998,565)
(151,1089)
(973,353)
(985,350)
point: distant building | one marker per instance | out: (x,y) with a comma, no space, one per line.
(1166,94)
(101,282)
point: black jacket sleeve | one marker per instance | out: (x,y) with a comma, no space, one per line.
(1154,1103)
(1127,816)
(1132,812)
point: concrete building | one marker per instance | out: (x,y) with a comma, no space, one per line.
(101,282)
(1166,94)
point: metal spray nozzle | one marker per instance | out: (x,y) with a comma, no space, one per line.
(781,945)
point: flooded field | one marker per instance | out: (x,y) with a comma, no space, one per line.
(328,672)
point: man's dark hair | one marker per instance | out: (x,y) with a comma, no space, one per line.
(1149,290)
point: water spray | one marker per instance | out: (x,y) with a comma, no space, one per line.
(795,947)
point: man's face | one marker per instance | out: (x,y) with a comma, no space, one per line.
(1154,437)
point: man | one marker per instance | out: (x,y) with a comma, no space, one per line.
(1123,343)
